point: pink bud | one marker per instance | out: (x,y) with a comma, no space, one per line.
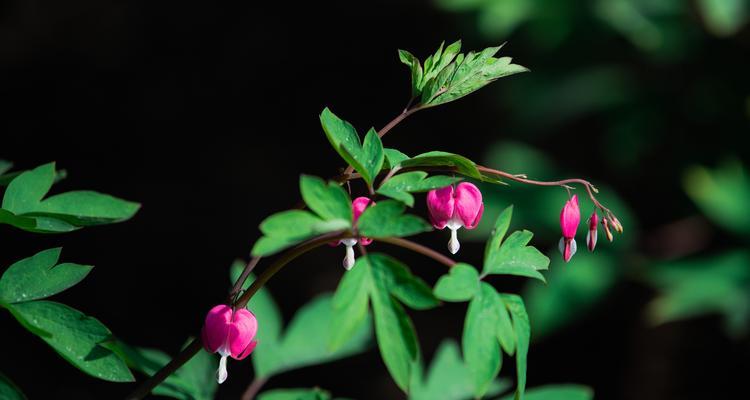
(592,234)
(570,217)
(455,209)
(358,207)
(229,333)
(605,223)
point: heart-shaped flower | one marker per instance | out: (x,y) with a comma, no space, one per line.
(229,333)
(457,208)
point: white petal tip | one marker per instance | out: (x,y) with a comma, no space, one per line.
(453,244)
(221,373)
(349,259)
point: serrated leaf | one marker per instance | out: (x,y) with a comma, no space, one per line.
(449,379)
(366,157)
(514,257)
(75,336)
(461,164)
(415,67)
(8,390)
(566,391)
(498,232)
(522,329)
(480,346)
(460,284)
(329,201)
(387,219)
(409,289)
(400,187)
(39,276)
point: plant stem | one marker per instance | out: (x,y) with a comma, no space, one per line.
(418,248)
(184,356)
(253,389)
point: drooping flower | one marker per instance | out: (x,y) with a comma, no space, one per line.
(455,208)
(592,234)
(570,217)
(229,333)
(358,207)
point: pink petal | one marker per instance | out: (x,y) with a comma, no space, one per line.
(570,217)
(469,205)
(216,327)
(365,241)
(241,332)
(249,349)
(359,205)
(440,203)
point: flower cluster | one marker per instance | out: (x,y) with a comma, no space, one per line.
(570,217)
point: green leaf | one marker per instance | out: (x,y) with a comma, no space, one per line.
(449,379)
(481,348)
(39,276)
(5,166)
(350,303)
(305,341)
(722,194)
(387,219)
(460,284)
(416,71)
(196,380)
(498,232)
(567,391)
(26,191)
(85,208)
(400,186)
(724,18)
(394,330)
(295,394)
(367,157)
(75,336)
(407,288)
(461,164)
(8,390)
(329,201)
(506,333)
(287,228)
(26,223)
(521,327)
(514,257)
(393,158)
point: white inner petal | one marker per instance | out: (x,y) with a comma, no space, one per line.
(221,373)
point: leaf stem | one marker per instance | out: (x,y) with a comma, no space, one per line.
(253,389)
(418,248)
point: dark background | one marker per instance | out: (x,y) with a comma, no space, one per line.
(207,113)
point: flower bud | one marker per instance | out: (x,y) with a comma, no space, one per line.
(605,223)
(570,217)
(593,223)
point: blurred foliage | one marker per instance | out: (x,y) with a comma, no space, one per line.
(722,194)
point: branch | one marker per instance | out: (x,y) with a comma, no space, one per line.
(418,248)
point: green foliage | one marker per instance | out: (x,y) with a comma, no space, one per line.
(366,157)
(716,284)
(512,256)
(8,390)
(570,292)
(393,158)
(196,380)
(296,394)
(24,205)
(460,284)
(449,75)
(460,164)
(287,228)
(400,187)
(387,219)
(558,392)
(522,330)
(724,17)
(75,336)
(480,346)
(383,280)
(305,341)
(448,378)
(722,194)
(39,276)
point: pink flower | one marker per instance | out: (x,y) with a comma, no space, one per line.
(358,207)
(229,333)
(570,217)
(592,234)
(457,208)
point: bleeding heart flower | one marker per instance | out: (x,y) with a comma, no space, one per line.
(455,208)
(358,207)
(570,217)
(592,234)
(229,333)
